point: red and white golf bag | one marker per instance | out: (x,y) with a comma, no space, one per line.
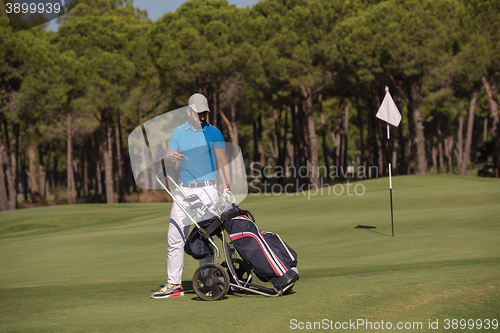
(270,257)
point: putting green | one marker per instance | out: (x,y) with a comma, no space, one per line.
(91,268)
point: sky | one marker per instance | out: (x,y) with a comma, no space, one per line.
(156,8)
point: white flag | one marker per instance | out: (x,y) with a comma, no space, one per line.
(388,111)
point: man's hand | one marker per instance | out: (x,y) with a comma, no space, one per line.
(228,195)
(173,156)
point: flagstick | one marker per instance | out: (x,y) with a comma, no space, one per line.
(390,181)
(390,189)
(389,112)
(390,173)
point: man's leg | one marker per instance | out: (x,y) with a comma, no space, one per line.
(176,237)
(207,194)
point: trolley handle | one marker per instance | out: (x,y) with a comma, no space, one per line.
(235,212)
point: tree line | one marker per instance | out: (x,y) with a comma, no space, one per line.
(292,82)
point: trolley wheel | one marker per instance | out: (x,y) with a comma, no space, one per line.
(242,270)
(211,282)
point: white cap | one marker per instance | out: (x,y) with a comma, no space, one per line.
(198,103)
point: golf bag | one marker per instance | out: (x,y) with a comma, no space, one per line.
(197,246)
(270,257)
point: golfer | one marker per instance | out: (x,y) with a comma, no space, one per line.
(204,145)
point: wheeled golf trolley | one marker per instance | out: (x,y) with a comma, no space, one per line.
(262,254)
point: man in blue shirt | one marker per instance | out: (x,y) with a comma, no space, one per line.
(204,145)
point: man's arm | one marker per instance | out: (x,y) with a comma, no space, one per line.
(172,157)
(220,155)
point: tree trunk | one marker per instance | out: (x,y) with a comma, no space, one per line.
(43,182)
(300,150)
(360,120)
(380,129)
(32,183)
(403,160)
(448,145)
(70,171)
(440,143)
(434,159)
(283,148)
(446,154)
(491,92)
(372,129)
(85,189)
(416,103)
(231,124)
(470,126)
(290,152)
(277,134)
(12,173)
(382,149)
(262,157)
(412,147)
(114,158)
(383,146)
(346,135)
(337,136)
(274,151)
(107,145)
(48,170)
(215,109)
(323,135)
(485,129)
(4,198)
(78,178)
(54,170)
(234,128)
(31,174)
(98,180)
(120,162)
(10,160)
(312,136)
(296,135)
(24,177)
(336,148)
(99,177)
(273,144)
(460,138)
(256,157)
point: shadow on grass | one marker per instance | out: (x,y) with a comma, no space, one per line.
(379,233)
(188,290)
(370,228)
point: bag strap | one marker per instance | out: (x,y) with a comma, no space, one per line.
(232,214)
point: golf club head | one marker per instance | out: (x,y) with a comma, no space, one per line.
(191,198)
(196,205)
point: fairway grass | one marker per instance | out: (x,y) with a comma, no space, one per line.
(92,267)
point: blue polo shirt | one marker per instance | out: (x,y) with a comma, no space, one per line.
(199,147)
